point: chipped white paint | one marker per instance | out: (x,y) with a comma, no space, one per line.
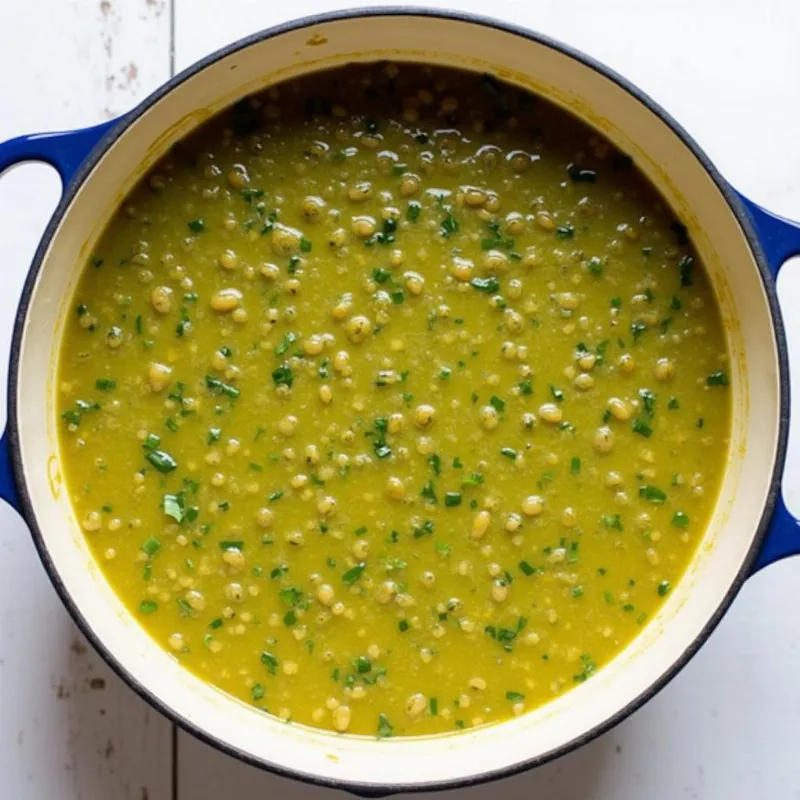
(724,727)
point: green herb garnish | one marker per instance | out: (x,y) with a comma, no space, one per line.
(353,574)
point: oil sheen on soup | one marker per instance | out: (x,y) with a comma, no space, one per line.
(394,401)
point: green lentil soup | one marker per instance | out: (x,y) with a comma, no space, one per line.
(394,401)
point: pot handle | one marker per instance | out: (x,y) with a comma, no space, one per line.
(780,240)
(8,486)
(64,151)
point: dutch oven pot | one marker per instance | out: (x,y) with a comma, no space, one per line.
(743,247)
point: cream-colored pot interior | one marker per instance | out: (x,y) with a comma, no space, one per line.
(682,179)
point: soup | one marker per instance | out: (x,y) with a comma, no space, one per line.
(394,401)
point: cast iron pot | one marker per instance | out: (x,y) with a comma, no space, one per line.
(742,245)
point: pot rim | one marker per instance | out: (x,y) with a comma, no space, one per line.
(117,131)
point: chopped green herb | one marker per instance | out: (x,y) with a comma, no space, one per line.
(197,226)
(589,668)
(257,692)
(641,427)
(526,569)
(162,461)
(526,387)
(558,395)
(449,225)
(474,479)
(506,635)
(652,493)
(452,499)
(637,329)
(547,477)
(288,340)
(72,417)
(717,379)
(283,376)
(496,240)
(251,194)
(105,384)
(279,572)
(185,609)
(575,465)
(289,618)
(291,596)
(362,665)
(663,588)
(392,564)
(489,285)
(508,453)
(382,450)
(353,574)
(385,728)
(497,403)
(686,268)
(174,507)
(680,519)
(612,521)
(648,402)
(219,387)
(270,662)
(566,231)
(148,606)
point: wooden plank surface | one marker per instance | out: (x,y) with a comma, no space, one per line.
(726,726)
(69,728)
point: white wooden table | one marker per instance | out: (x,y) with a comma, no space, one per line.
(726,727)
